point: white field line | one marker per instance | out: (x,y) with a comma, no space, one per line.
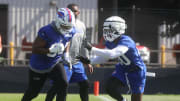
(104,98)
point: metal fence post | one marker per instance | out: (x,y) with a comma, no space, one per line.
(11,53)
(163,48)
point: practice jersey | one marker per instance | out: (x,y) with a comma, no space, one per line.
(41,62)
(76,47)
(131,58)
(80,27)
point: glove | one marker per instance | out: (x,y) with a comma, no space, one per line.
(55,49)
(83,59)
(67,60)
(87,45)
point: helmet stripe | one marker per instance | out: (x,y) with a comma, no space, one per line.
(69,13)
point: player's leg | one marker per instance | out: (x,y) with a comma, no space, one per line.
(137,83)
(83,91)
(60,84)
(115,83)
(113,88)
(36,82)
(80,77)
(136,97)
(51,92)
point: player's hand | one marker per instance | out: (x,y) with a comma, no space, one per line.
(57,48)
(90,68)
(87,45)
(83,59)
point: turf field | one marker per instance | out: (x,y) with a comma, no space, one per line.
(75,97)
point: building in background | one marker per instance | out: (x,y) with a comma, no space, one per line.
(143,18)
(22,19)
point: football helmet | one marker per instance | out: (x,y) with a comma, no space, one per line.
(113,28)
(64,20)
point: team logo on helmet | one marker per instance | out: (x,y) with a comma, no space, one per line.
(60,15)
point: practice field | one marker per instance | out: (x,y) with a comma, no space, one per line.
(102,97)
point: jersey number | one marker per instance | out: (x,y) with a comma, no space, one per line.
(123,60)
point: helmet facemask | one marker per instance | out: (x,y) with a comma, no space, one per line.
(113,28)
(64,29)
(110,34)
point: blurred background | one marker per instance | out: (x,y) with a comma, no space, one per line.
(153,24)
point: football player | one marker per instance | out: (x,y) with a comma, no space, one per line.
(130,69)
(47,52)
(77,74)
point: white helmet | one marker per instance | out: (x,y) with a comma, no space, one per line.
(113,27)
(65,20)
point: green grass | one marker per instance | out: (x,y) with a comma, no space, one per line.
(103,97)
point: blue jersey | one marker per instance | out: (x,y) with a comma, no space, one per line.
(129,62)
(41,62)
(131,58)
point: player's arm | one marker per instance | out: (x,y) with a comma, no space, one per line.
(84,51)
(38,46)
(107,53)
(93,60)
(67,56)
(98,60)
(110,53)
(67,46)
(66,52)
